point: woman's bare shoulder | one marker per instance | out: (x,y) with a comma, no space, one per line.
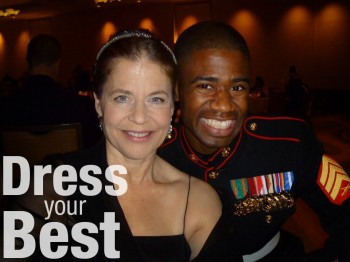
(203,194)
(171,173)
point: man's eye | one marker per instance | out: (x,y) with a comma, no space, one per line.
(121,99)
(238,88)
(205,86)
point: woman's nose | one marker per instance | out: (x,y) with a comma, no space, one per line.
(139,114)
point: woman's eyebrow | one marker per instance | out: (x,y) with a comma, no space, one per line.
(159,92)
(122,91)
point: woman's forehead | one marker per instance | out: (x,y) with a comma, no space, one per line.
(141,74)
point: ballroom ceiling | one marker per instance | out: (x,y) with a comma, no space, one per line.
(34,9)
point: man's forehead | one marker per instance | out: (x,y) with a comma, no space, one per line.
(210,59)
(214,65)
(212,51)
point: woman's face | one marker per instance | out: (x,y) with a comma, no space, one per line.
(136,106)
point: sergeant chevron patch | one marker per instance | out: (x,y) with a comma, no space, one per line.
(333,181)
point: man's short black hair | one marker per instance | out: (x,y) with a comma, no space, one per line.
(43,49)
(209,34)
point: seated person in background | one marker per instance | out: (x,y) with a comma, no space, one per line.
(260,165)
(258,87)
(165,214)
(42,100)
(297,96)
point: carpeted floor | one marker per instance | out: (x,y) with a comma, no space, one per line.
(334,133)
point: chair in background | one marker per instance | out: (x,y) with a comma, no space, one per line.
(36,142)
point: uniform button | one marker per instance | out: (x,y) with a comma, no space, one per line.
(225,152)
(253,126)
(193,158)
(268,219)
(213,174)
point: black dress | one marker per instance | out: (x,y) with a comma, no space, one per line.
(92,213)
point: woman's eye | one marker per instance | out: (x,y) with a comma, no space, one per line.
(157,100)
(121,99)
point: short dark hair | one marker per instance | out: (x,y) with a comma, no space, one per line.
(132,44)
(206,35)
(43,49)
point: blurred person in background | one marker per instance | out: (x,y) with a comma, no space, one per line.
(42,100)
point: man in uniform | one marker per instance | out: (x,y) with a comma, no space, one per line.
(260,165)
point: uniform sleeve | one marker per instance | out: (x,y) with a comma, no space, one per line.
(218,246)
(325,186)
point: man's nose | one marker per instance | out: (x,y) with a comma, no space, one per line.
(222,101)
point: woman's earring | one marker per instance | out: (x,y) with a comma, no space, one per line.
(100,123)
(169,135)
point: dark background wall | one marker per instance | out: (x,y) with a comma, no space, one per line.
(313,35)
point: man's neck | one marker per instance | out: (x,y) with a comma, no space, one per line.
(49,71)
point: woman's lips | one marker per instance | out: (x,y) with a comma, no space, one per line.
(137,134)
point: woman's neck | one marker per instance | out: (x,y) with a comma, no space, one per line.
(138,170)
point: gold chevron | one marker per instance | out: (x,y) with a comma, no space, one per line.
(332,176)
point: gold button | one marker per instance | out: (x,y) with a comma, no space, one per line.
(268,219)
(213,174)
(253,126)
(193,158)
(225,152)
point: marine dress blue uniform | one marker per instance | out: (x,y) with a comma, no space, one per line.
(272,162)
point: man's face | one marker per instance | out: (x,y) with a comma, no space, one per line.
(213,87)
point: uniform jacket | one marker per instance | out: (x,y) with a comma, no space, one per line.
(272,162)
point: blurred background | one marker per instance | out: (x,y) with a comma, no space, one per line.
(312,35)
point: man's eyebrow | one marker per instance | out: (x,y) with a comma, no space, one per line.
(205,78)
(241,79)
(215,79)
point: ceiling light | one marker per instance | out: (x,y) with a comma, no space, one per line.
(103,1)
(9,12)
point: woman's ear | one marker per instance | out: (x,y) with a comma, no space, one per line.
(98,106)
(176,98)
(172,109)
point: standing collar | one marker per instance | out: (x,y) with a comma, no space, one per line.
(214,161)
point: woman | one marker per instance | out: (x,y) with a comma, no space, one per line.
(164,215)
(134,87)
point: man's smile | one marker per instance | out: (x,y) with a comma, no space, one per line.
(217,123)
